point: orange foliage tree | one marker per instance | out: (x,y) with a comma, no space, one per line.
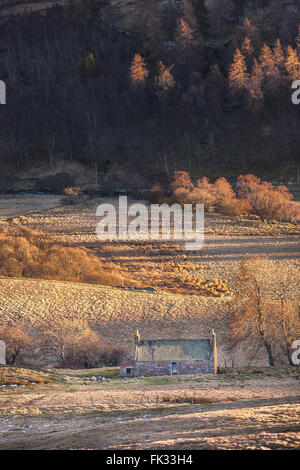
(252,196)
(238,74)
(138,71)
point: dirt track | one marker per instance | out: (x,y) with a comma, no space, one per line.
(252,413)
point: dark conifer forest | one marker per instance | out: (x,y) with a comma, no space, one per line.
(151,86)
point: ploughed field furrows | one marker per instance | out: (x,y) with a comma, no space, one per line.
(117,313)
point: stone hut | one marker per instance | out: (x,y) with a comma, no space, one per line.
(171,357)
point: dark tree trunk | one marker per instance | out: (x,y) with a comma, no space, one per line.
(270,354)
(289,356)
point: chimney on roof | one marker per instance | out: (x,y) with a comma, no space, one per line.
(137,337)
(215,351)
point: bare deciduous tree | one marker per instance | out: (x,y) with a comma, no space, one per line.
(69,343)
(252,317)
(285,287)
(18,342)
(265,307)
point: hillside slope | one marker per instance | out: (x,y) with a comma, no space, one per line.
(18,7)
(77,63)
(117,313)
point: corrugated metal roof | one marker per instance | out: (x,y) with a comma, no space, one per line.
(126,364)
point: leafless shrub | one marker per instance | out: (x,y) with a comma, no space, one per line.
(25,253)
(252,196)
(181,179)
(71,194)
(111,356)
(18,342)
(72,191)
(267,201)
(265,308)
(69,343)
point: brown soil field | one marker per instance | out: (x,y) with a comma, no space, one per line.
(238,409)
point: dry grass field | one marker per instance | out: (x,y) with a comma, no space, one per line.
(251,408)
(17,205)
